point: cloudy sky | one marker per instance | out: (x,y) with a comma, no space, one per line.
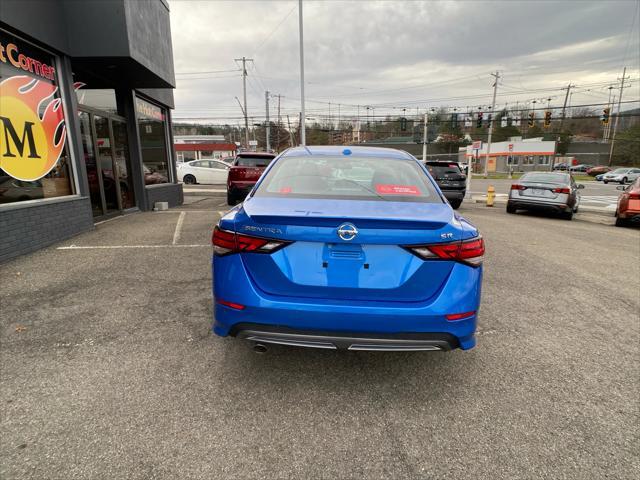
(396,55)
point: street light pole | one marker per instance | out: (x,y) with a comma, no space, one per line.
(493,108)
(303,139)
(424,138)
(268,130)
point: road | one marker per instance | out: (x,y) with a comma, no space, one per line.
(109,369)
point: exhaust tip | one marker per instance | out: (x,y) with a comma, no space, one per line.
(259,348)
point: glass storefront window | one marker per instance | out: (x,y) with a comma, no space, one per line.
(34,160)
(99,98)
(153,141)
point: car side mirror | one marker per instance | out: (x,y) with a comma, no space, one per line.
(620,187)
(580,185)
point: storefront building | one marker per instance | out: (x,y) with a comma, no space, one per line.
(85,116)
(185,152)
(516,154)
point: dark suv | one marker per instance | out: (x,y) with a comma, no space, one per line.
(450,179)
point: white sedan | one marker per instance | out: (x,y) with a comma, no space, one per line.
(203,171)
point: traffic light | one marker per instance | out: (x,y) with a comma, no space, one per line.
(532,119)
(605,117)
(547,118)
(479,120)
(403,124)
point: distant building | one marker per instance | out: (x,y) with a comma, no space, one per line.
(186,152)
(523,155)
(199,139)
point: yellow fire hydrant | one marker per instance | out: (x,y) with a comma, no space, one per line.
(491,195)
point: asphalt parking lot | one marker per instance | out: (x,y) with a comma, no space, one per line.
(109,370)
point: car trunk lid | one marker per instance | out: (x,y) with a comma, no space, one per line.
(373,266)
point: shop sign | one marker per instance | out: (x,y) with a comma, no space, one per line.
(32,131)
(148,110)
(10,53)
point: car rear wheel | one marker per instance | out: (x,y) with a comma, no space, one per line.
(511,208)
(624,180)
(231,199)
(456,204)
(189,179)
(567,215)
(605,182)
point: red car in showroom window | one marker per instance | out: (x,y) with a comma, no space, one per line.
(628,210)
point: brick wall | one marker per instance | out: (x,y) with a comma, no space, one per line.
(24,229)
(166,192)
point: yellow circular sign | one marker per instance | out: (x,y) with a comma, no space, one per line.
(25,150)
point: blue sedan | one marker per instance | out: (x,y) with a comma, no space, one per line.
(347,248)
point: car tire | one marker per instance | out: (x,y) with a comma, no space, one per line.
(567,215)
(189,179)
(624,181)
(455,204)
(231,200)
(511,209)
(620,222)
(605,182)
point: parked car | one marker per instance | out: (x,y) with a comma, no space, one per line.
(599,177)
(599,170)
(628,210)
(450,179)
(583,167)
(622,175)
(245,172)
(560,166)
(203,171)
(552,191)
(352,248)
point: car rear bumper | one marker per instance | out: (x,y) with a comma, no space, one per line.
(341,341)
(361,321)
(453,194)
(527,204)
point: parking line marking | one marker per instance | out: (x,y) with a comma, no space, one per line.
(178,231)
(114,247)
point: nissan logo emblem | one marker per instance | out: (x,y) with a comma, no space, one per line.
(347,231)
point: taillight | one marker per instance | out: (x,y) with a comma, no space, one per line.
(562,190)
(515,186)
(634,196)
(470,252)
(452,317)
(225,242)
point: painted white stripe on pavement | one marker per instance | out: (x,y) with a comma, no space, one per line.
(178,231)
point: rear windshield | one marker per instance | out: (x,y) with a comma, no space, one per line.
(349,178)
(254,160)
(545,178)
(442,169)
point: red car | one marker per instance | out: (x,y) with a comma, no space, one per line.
(628,210)
(245,171)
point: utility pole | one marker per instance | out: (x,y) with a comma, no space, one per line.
(424,137)
(493,108)
(268,130)
(615,125)
(303,138)
(244,94)
(290,132)
(605,134)
(564,114)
